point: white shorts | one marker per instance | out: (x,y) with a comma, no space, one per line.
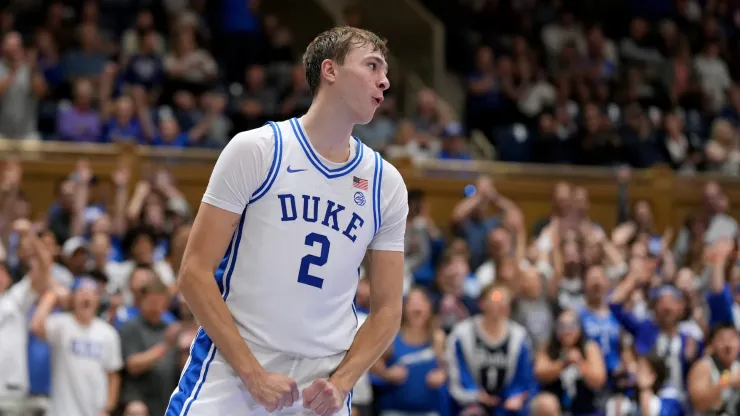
(209,386)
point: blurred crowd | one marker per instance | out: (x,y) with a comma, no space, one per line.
(601,83)
(560,318)
(163,73)
(549,81)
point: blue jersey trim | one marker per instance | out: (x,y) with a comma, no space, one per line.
(274,166)
(377,182)
(316,161)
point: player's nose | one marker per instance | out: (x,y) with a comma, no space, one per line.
(384,83)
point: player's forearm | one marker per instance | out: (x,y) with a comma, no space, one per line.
(202,295)
(371,341)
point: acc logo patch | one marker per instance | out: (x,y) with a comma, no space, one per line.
(360,198)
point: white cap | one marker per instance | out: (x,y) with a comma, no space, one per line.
(72,245)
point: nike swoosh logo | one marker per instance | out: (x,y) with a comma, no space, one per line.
(295,170)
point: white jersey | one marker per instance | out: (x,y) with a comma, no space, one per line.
(290,274)
(81,358)
(291,271)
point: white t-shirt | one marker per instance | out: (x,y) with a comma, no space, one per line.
(81,359)
(291,274)
(15,305)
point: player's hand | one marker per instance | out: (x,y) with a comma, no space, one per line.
(323,398)
(436,378)
(396,374)
(273,391)
(515,403)
(487,400)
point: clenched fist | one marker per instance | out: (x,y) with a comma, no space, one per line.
(323,398)
(273,391)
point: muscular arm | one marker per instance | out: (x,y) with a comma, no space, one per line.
(383,321)
(209,238)
(238,172)
(386,253)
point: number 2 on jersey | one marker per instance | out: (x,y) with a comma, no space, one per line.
(303,274)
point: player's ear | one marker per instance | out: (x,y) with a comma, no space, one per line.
(329,70)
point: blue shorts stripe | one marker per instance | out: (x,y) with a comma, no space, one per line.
(274,166)
(349,403)
(190,381)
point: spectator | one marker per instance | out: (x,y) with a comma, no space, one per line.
(188,66)
(681,152)
(87,353)
(722,150)
(149,351)
(88,61)
(449,297)
(490,358)
(571,366)
(21,86)
(296,98)
(144,67)
(134,42)
(258,101)
(714,77)
(713,381)
(411,367)
(410,143)
(15,305)
(472,221)
(652,376)
(453,143)
(80,122)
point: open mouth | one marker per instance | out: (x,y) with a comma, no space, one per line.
(378,100)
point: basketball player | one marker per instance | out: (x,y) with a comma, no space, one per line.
(294,206)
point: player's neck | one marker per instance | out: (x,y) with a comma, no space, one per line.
(328,130)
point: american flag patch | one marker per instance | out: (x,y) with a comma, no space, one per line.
(359,183)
